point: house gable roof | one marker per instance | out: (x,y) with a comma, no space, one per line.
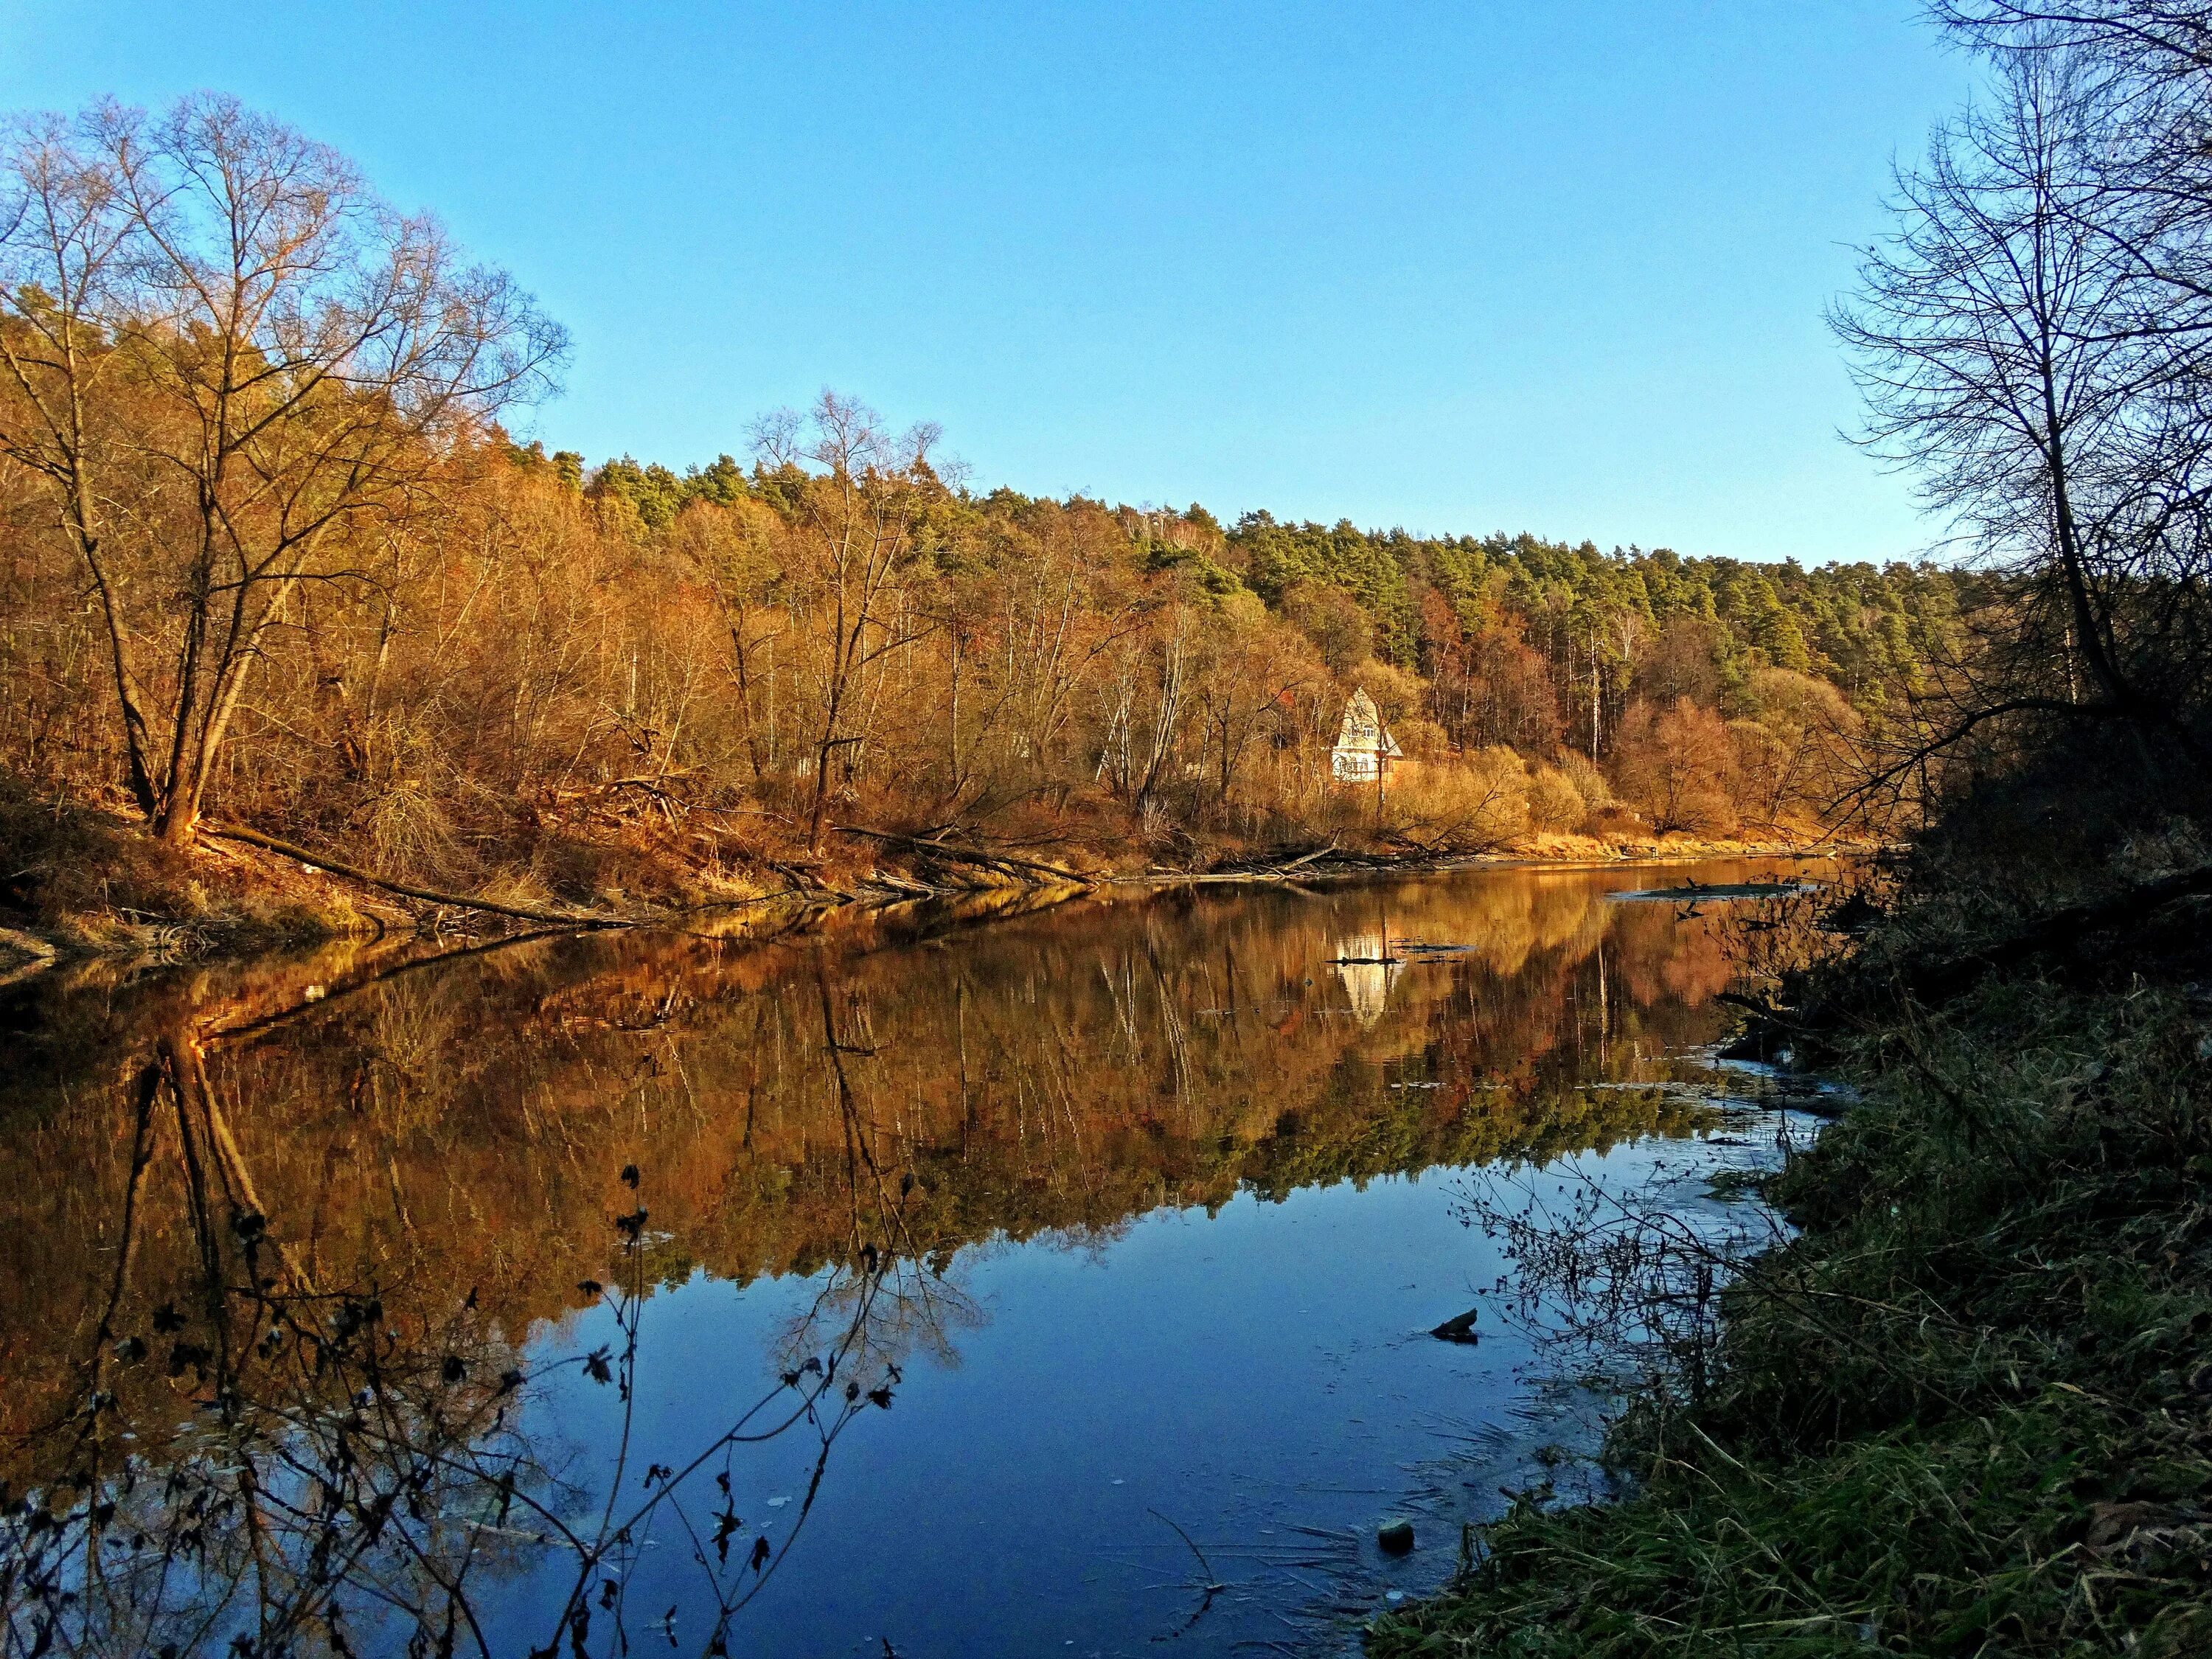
(1363,732)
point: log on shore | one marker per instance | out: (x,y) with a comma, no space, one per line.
(308,856)
(1004,864)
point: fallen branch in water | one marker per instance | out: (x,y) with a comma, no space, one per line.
(1759,1006)
(427,895)
(901,884)
(1004,863)
(1301,861)
(1208,1585)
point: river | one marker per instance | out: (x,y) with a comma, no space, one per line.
(938,1284)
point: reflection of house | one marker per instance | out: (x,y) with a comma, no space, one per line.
(1365,750)
(1364,963)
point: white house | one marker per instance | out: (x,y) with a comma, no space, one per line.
(1364,750)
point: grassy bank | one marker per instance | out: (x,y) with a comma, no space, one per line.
(1967,1409)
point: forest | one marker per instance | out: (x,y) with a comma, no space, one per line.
(270,562)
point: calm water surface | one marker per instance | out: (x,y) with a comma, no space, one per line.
(1058,1286)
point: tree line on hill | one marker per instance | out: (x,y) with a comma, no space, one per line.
(268,556)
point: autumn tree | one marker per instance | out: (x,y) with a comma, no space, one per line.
(1796,749)
(1675,763)
(854,490)
(732,547)
(235,371)
(1252,666)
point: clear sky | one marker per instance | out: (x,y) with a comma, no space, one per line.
(1496,264)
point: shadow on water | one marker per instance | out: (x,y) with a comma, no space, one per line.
(908,1287)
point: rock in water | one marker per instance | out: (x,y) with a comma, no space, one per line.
(1394,1537)
(1458,1328)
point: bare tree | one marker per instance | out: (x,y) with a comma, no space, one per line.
(2164,36)
(858,489)
(2030,347)
(235,367)
(1249,675)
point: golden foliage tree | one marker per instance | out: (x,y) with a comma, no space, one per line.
(237,372)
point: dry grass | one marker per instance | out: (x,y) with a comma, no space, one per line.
(88,878)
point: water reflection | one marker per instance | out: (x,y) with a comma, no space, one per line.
(323,1286)
(1368,970)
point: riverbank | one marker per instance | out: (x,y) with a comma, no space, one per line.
(1968,1407)
(87,881)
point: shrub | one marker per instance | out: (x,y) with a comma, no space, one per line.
(1590,783)
(1470,805)
(1555,803)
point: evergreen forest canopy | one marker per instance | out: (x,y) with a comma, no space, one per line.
(269,558)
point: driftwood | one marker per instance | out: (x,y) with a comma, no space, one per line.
(29,944)
(38,955)
(805,880)
(428,895)
(1460,1327)
(1004,863)
(901,884)
(1331,859)
(1418,858)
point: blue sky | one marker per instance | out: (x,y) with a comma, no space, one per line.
(1466,266)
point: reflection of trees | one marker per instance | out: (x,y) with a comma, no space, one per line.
(243,1443)
(264,1462)
(308,1217)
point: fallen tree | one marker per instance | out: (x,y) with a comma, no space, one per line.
(308,856)
(1004,864)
